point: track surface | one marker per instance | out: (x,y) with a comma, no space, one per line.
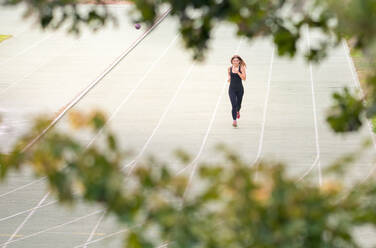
(159,100)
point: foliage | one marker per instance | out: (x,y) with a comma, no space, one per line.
(356,20)
(281,19)
(344,115)
(55,13)
(231,209)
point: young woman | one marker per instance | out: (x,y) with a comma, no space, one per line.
(236,73)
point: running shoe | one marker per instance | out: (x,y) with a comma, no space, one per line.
(234,124)
(238,115)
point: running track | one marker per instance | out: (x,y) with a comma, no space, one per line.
(159,100)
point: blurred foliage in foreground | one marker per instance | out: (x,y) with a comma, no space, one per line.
(230,209)
(365,64)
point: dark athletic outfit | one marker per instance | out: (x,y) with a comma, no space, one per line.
(235,91)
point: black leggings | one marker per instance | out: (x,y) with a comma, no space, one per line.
(236,96)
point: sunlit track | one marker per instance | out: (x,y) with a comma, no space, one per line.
(83,93)
(146,144)
(75,101)
(150,69)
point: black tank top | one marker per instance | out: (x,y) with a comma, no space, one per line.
(236,81)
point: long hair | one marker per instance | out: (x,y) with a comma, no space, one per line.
(241,61)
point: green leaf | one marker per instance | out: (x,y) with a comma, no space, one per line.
(345,113)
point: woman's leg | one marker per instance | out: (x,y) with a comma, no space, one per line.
(233,99)
(239,98)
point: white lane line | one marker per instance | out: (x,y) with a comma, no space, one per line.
(309,169)
(261,140)
(96,226)
(26,49)
(90,86)
(111,117)
(28,210)
(317,144)
(52,228)
(316,128)
(24,222)
(315,114)
(194,162)
(102,238)
(357,86)
(22,187)
(139,155)
(109,236)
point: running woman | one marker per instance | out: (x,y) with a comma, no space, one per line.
(236,73)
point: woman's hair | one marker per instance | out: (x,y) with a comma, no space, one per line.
(240,59)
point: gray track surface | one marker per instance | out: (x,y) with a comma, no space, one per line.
(158,100)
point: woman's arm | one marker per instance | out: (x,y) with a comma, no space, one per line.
(242,74)
(229,77)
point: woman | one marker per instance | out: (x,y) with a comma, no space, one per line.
(236,73)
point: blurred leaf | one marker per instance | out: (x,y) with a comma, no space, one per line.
(112,142)
(97,119)
(183,156)
(345,114)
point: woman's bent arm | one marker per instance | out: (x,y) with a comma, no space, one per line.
(242,74)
